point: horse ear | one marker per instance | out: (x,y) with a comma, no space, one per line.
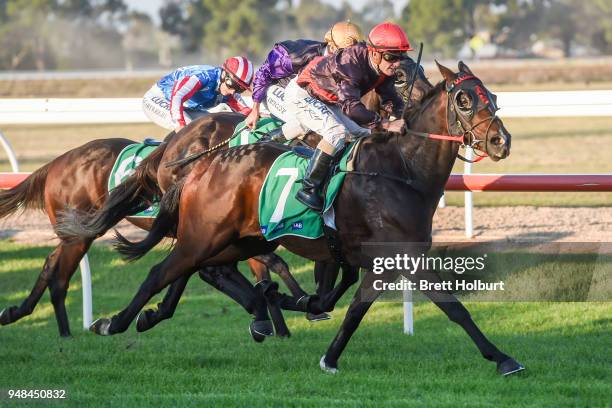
(464,68)
(447,74)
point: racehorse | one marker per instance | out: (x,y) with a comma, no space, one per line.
(390,196)
(152,178)
(78,180)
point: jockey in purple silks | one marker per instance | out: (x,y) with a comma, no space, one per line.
(286,60)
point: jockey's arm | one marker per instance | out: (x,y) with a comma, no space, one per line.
(349,96)
(390,99)
(238,104)
(276,66)
(183,90)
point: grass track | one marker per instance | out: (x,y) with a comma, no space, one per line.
(204,356)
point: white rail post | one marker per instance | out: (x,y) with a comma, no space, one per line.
(9,152)
(86,289)
(442,202)
(469,205)
(408,312)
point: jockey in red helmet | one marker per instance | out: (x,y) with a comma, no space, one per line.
(326,98)
(190,92)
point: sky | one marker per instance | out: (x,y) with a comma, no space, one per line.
(151,7)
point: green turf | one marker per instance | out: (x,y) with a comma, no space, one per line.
(205,357)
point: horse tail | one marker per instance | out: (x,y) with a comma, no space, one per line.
(29,194)
(135,194)
(164,225)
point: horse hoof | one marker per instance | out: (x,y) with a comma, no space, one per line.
(5,317)
(143,322)
(326,367)
(260,329)
(101,327)
(509,366)
(311,317)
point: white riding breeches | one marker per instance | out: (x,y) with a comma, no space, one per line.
(157,108)
(327,120)
(275,104)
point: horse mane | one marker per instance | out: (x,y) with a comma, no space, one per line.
(411,112)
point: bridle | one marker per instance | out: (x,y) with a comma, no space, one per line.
(457,115)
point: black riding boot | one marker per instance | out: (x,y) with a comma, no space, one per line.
(316,173)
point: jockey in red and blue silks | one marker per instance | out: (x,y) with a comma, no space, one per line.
(189,92)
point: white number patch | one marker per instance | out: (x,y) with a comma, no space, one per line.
(292,172)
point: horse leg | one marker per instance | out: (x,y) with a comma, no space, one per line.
(59,267)
(328,298)
(69,258)
(176,265)
(261,327)
(149,318)
(362,300)
(268,289)
(13,313)
(325,274)
(231,282)
(277,265)
(242,294)
(457,313)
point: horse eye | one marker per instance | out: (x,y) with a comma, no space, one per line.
(464,101)
(400,77)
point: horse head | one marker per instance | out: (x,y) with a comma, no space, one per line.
(471,113)
(403,81)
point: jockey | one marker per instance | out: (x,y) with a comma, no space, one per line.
(325,97)
(286,59)
(188,92)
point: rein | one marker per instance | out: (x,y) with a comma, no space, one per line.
(195,156)
(467,137)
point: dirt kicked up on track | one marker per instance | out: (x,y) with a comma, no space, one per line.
(520,223)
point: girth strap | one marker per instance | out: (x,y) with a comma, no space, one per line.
(333,243)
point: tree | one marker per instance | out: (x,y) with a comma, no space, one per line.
(243,27)
(438,23)
(23,34)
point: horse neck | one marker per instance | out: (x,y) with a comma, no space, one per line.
(430,161)
(427,163)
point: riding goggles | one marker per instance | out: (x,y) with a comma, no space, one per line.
(393,56)
(233,84)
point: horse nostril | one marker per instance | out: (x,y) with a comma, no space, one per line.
(498,141)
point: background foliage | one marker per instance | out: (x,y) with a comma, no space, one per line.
(73,34)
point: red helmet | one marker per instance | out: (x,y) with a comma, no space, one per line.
(240,69)
(388,37)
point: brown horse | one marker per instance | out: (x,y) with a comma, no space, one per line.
(78,179)
(153,178)
(391,196)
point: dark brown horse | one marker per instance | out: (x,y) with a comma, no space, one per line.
(153,178)
(391,196)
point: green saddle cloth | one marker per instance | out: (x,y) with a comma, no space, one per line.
(243,135)
(125,165)
(132,155)
(280,213)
